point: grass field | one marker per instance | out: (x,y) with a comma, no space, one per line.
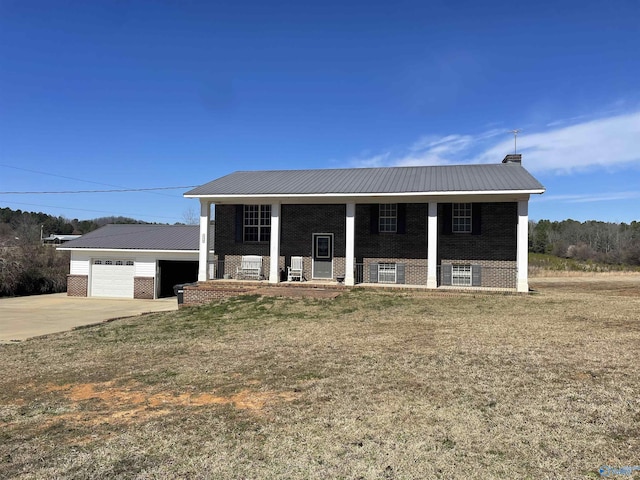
(370,385)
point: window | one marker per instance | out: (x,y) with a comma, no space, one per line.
(461,275)
(108,262)
(388,218)
(130,263)
(119,262)
(461,222)
(97,262)
(257,223)
(386,273)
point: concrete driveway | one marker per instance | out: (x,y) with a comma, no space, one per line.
(25,317)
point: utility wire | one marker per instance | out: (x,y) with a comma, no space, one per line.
(124,189)
(111,213)
(98,191)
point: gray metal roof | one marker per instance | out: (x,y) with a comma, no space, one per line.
(140,237)
(449,178)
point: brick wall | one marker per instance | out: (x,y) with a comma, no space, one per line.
(412,244)
(143,287)
(497,239)
(494,273)
(494,247)
(206,293)
(77,285)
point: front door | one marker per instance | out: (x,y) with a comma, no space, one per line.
(322,255)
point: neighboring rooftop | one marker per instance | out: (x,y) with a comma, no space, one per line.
(139,237)
(429,179)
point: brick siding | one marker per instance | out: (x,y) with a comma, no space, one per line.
(494,248)
(206,293)
(77,285)
(143,287)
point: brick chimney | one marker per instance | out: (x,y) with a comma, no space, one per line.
(513,158)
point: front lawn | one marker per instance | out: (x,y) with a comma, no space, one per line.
(370,385)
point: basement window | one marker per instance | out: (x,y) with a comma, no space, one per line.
(386,273)
(461,275)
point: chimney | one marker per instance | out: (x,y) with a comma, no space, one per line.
(513,158)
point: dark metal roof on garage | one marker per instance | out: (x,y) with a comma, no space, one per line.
(427,179)
(139,237)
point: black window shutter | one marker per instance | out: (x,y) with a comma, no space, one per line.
(400,273)
(375,211)
(239,223)
(373,273)
(446,273)
(402,218)
(476,275)
(476,219)
(447,218)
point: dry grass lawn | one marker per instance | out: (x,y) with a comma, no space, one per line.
(370,385)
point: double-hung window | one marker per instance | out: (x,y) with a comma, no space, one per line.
(257,223)
(388,218)
(461,222)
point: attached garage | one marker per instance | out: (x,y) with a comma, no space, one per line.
(133,261)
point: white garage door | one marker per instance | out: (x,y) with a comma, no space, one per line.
(112,278)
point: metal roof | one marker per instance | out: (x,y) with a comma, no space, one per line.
(139,237)
(427,179)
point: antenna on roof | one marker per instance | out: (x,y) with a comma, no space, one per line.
(515,139)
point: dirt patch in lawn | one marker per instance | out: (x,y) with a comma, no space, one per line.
(93,404)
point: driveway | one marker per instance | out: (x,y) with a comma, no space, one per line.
(25,317)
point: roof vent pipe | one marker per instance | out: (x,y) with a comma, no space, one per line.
(513,158)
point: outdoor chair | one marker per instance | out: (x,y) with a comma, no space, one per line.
(250,267)
(294,272)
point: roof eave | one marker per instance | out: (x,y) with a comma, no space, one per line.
(327,196)
(128,250)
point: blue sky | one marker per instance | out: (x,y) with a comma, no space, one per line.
(136,94)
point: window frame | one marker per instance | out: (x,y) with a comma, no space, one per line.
(462,218)
(385,269)
(388,218)
(461,272)
(258,219)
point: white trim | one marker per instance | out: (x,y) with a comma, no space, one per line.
(370,195)
(274,244)
(203,240)
(128,250)
(350,227)
(432,246)
(522,254)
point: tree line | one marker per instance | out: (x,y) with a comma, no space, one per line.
(27,267)
(604,242)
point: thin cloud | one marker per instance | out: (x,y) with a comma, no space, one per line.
(606,142)
(590,197)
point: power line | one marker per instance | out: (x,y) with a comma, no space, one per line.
(90,210)
(149,190)
(97,191)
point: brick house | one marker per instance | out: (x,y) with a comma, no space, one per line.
(435,226)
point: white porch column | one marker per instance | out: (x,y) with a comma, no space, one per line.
(274,250)
(203,246)
(523,246)
(350,250)
(432,246)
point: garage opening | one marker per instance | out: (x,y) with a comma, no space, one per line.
(172,272)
